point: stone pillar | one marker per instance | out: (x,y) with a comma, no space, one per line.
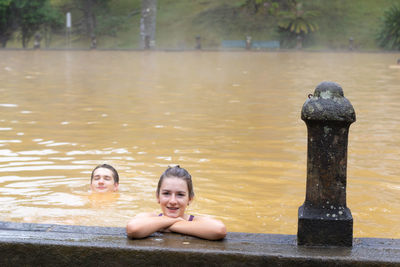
(38,38)
(324,219)
(351,43)
(93,43)
(147,42)
(299,42)
(198,43)
(248,42)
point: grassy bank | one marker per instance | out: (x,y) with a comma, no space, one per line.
(180,21)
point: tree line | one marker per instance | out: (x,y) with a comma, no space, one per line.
(25,19)
(296,20)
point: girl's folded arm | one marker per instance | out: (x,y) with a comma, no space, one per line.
(202,227)
(144,224)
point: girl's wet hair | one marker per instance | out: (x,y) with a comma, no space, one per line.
(111,168)
(177,172)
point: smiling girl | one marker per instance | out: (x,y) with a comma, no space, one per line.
(174,193)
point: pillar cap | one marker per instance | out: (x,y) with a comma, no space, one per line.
(328,104)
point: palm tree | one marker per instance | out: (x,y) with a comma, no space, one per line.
(297,22)
(389,35)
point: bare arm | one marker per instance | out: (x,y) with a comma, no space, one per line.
(145,224)
(202,227)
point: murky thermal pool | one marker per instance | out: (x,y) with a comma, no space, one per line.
(232,119)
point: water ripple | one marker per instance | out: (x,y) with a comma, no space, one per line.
(98,152)
(45,167)
(9,105)
(39,152)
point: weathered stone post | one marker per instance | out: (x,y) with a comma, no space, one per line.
(147,42)
(351,43)
(324,218)
(248,42)
(198,43)
(38,38)
(93,44)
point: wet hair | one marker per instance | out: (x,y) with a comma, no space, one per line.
(111,168)
(180,173)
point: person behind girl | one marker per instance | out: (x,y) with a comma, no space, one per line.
(174,193)
(104,178)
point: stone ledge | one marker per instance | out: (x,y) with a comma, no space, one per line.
(65,245)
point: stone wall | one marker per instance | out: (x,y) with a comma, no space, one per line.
(23,244)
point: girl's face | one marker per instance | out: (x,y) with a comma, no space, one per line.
(173,197)
(103,181)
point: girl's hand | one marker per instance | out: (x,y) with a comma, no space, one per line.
(167,229)
(145,224)
(202,227)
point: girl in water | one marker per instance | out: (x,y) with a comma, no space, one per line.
(174,193)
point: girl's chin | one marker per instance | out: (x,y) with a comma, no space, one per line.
(172,214)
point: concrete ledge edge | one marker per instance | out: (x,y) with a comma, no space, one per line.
(66,245)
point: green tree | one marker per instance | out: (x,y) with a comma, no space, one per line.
(32,15)
(389,35)
(257,6)
(7,21)
(53,21)
(93,18)
(29,18)
(297,23)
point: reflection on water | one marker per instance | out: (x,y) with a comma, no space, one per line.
(232,119)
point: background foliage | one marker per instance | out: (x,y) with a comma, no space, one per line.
(389,35)
(317,24)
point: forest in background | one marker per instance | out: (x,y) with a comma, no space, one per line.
(321,24)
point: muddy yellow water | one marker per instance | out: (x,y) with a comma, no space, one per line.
(232,119)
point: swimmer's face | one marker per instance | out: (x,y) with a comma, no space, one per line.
(173,197)
(103,181)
